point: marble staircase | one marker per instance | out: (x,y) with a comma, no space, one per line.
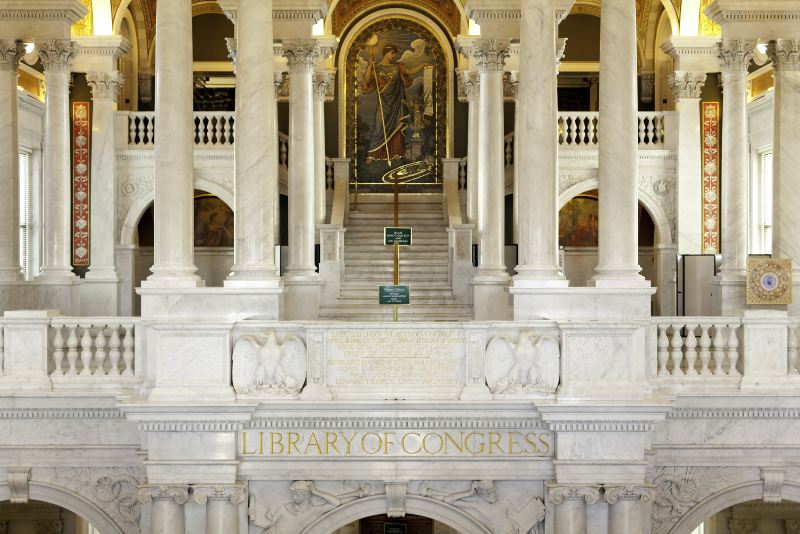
(424,266)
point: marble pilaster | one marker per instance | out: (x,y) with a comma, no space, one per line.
(785,55)
(734,58)
(491,281)
(537,156)
(618,258)
(301,279)
(222,506)
(471,83)
(57,57)
(173,247)
(625,508)
(10,53)
(256,178)
(321,81)
(570,507)
(166,507)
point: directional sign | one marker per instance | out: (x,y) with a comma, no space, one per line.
(394,295)
(401,235)
(394,528)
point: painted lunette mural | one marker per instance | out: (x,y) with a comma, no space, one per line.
(396,94)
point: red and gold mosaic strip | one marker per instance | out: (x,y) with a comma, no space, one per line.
(711,149)
(81,163)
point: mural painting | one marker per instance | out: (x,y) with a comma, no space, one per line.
(578,222)
(213,222)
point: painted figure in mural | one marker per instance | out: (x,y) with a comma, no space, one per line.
(389,79)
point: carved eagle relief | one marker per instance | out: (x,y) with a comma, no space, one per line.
(262,365)
(531,364)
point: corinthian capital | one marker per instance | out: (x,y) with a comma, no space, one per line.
(58,54)
(735,55)
(180,494)
(10,53)
(785,54)
(234,494)
(470,83)
(491,54)
(561,50)
(628,492)
(590,494)
(685,84)
(301,54)
(322,82)
(230,42)
(104,84)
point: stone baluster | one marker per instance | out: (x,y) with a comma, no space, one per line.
(734,57)
(719,350)
(625,508)
(321,80)
(570,507)
(785,56)
(100,353)
(3,351)
(791,349)
(166,507)
(256,176)
(733,349)
(114,353)
(618,154)
(57,57)
(10,53)
(222,503)
(691,349)
(663,350)
(58,350)
(676,352)
(470,81)
(127,350)
(72,350)
(173,250)
(705,353)
(491,281)
(86,350)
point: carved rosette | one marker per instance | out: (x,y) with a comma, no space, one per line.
(10,53)
(322,84)
(180,494)
(105,85)
(234,494)
(628,492)
(491,54)
(735,55)
(686,84)
(58,54)
(590,494)
(785,54)
(301,54)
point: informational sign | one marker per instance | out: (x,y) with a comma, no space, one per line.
(394,528)
(401,235)
(388,295)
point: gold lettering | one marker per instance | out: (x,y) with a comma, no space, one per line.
(292,441)
(273,442)
(512,443)
(459,445)
(364,443)
(545,443)
(260,443)
(313,442)
(387,441)
(529,437)
(244,444)
(494,440)
(403,443)
(349,441)
(425,443)
(331,443)
(467,443)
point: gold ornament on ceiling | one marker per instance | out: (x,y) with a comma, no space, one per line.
(708,26)
(445,10)
(84,26)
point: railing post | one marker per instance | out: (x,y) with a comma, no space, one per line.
(764,345)
(27,348)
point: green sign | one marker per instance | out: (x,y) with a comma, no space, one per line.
(394,295)
(401,235)
(394,528)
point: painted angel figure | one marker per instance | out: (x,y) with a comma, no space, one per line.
(260,363)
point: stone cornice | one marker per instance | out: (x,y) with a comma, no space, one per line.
(61,413)
(734,413)
(389,422)
(601,426)
(103,45)
(68,11)
(740,11)
(191,426)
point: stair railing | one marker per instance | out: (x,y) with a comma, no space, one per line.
(331,238)
(459,235)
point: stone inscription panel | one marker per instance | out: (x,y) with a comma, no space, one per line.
(375,358)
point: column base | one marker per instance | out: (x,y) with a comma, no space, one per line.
(56,275)
(302,297)
(220,303)
(491,298)
(618,276)
(183,277)
(540,276)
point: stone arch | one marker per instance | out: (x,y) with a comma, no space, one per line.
(730,496)
(650,203)
(414,504)
(72,501)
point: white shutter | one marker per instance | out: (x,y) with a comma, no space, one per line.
(24,208)
(765,202)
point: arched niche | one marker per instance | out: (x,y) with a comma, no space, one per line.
(377,505)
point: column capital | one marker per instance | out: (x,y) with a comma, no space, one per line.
(785,54)
(561,50)
(10,53)
(234,493)
(558,493)
(687,84)
(230,43)
(321,84)
(104,85)
(511,84)
(148,492)
(628,492)
(743,526)
(491,54)
(470,83)
(735,55)
(281,81)
(57,54)
(301,54)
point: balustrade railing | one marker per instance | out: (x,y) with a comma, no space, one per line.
(703,347)
(101,349)
(578,129)
(211,129)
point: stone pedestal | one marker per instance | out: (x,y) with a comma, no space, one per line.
(166,507)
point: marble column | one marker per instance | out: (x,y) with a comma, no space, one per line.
(166,508)
(222,507)
(256,178)
(734,57)
(625,508)
(322,81)
(105,88)
(57,57)
(618,153)
(490,284)
(785,56)
(471,84)
(537,156)
(173,250)
(10,53)
(686,88)
(301,56)
(570,507)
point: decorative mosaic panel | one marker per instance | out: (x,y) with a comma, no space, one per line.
(81,163)
(710,177)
